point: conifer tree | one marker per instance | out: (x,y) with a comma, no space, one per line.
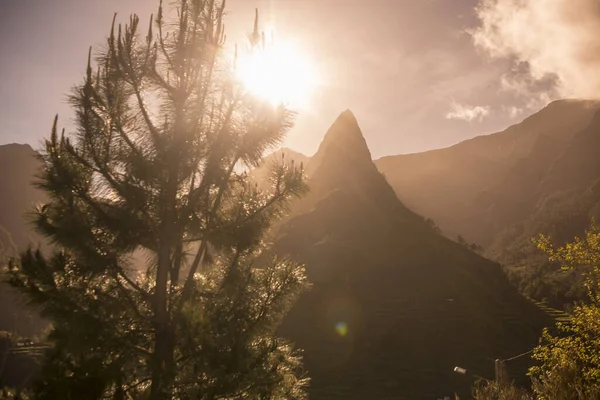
(160,285)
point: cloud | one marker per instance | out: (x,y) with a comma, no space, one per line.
(533,93)
(468,113)
(551,43)
(513,111)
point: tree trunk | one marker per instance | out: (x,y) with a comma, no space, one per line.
(164,332)
(162,368)
(162,372)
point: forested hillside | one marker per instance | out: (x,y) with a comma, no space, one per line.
(500,190)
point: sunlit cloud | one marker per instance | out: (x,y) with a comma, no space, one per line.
(468,113)
(532,93)
(514,112)
(558,42)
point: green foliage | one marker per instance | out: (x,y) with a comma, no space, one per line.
(570,361)
(562,217)
(580,252)
(14,394)
(160,286)
(488,390)
(550,284)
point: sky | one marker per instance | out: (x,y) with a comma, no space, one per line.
(418,75)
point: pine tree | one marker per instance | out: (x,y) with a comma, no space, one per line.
(160,286)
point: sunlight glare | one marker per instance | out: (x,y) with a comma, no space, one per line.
(279,73)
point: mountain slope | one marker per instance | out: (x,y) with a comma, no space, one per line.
(563,200)
(485,185)
(394,306)
(18,166)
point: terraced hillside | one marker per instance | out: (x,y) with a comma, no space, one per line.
(394,306)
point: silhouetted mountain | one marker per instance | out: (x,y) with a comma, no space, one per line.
(18,166)
(491,188)
(394,306)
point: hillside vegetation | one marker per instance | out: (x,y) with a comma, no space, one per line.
(394,306)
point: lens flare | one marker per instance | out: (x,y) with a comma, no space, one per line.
(341,328)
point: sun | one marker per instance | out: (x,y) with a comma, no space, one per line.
(279,72)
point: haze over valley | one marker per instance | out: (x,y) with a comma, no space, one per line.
(340,200)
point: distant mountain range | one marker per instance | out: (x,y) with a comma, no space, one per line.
(499,190)
(395,305)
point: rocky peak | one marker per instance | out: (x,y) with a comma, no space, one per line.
(343,150)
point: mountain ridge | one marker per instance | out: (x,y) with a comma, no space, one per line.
(455,192)
(394,306)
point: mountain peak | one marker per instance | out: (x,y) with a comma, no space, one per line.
(348,114)
(345,132)
(343,145)
(16,147)
(343,167)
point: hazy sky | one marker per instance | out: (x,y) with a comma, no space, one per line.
(418,74)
